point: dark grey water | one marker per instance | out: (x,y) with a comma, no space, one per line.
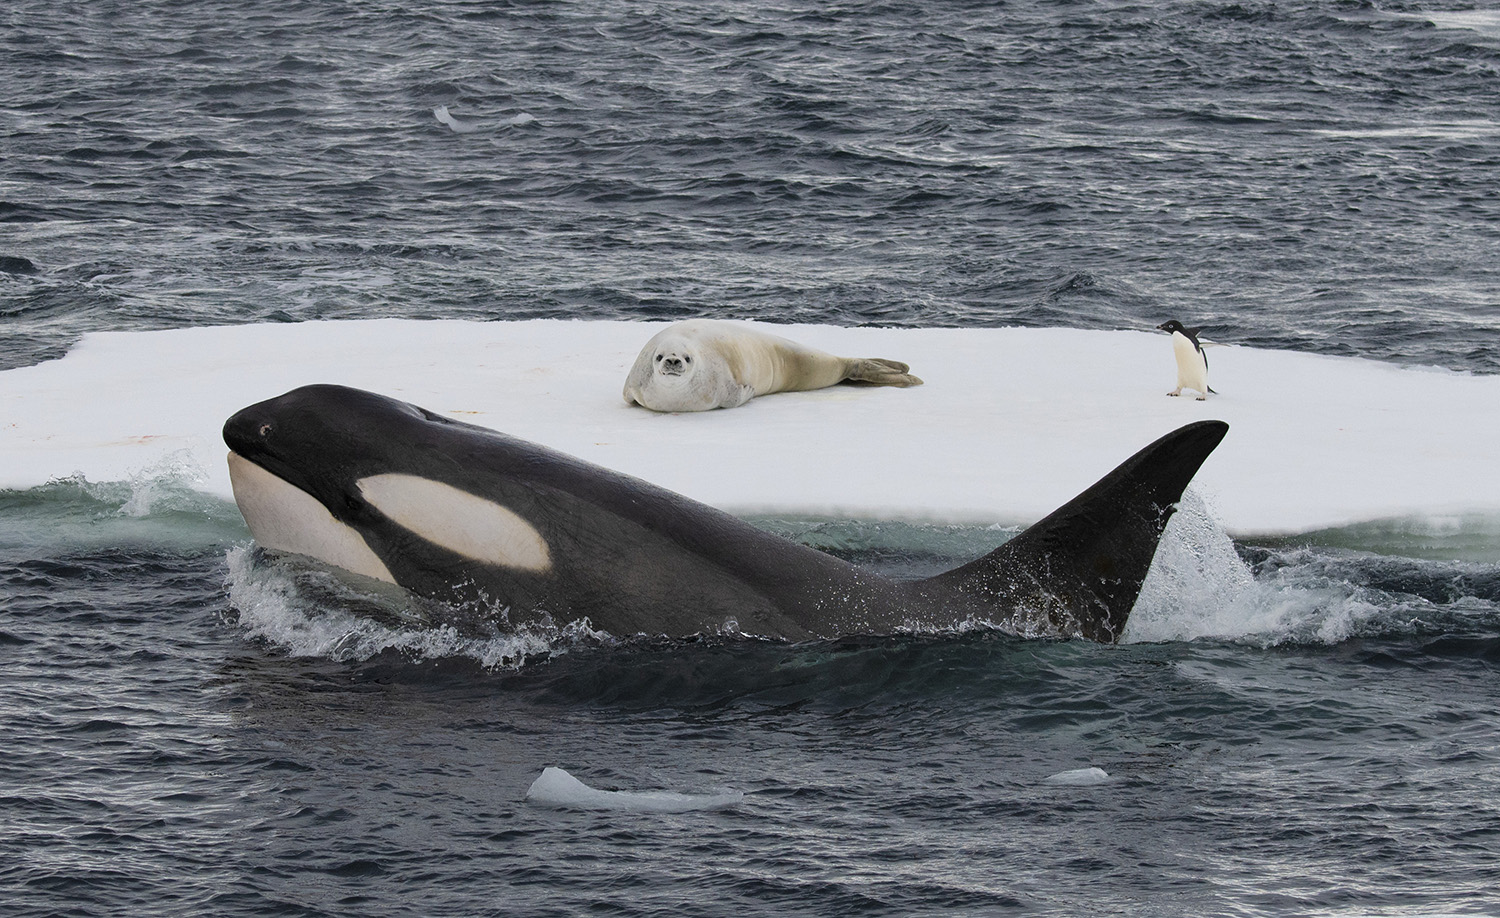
(189,729)
(1317,176)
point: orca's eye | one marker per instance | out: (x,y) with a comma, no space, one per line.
(265,429)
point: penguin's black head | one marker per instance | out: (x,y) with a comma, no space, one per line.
(1170,326)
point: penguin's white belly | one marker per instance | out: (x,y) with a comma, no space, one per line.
(1192,366)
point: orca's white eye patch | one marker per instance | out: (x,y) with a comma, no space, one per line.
(458,521)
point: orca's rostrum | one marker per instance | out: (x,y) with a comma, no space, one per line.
(464,514)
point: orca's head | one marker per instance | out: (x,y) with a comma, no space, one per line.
(314,471)
(296,462)
(323,438)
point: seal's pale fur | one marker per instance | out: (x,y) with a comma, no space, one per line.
(701,364)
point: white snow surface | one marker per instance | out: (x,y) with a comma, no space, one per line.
(1011,423)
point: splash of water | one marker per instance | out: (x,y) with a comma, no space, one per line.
(1200,588)
(158,507)
(308,610)
(167,482)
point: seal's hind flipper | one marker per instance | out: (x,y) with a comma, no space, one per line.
(1079,570)
(876,371)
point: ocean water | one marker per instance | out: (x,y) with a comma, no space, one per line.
(1304,725)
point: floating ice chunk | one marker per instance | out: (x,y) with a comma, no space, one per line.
(468,127)
(1080,777)
(458,127)
(1290,465)
(557,788)
(1485,22)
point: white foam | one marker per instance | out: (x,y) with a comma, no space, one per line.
(275,605)
(1198,587)
(1011,423)
(556,788)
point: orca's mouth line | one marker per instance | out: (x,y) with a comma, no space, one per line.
(236,457)
(269,467)
(247,434)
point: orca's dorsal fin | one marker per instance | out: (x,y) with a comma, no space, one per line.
(1080,568)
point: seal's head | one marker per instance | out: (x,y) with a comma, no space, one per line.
(682,369)
(681,376)
(674,357)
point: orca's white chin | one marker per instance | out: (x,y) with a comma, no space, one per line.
(284,517)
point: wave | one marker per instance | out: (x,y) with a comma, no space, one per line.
(161,507)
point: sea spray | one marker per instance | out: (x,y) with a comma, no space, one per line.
(310,610)
(1199,587)
(158,508)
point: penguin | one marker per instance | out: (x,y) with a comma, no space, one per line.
(1192,362)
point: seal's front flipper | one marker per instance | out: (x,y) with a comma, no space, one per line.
(876,371)
(1078,571)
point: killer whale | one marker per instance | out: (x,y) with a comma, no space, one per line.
(470,516)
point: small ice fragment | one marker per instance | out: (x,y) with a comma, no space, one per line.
(458,127)
(1079,777)
(556,788)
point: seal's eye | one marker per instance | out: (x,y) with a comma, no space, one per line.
(265,429)
(686,358)
(658,358)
